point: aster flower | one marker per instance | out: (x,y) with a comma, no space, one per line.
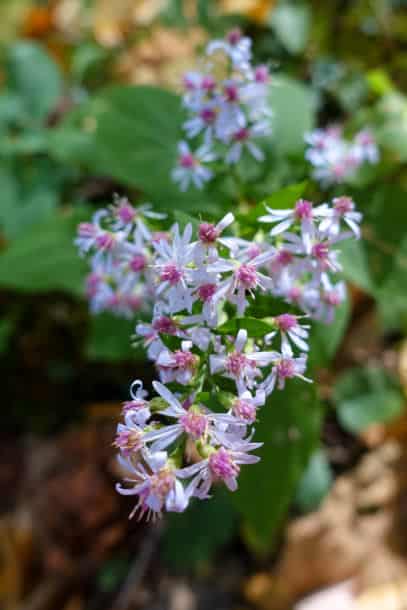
(285,366)
(303,213)
(225,115)
(243,368)
(290,330)
(343,210)
(332,295)
(155,483)
(245,406)
(172,264)
(179,366)
(365,147)
(209,235)
(195,286)
(336,159)
(236,46)
(160,324)
(245,278)
(242,139)
(93,235)
(223,465)
(191,167)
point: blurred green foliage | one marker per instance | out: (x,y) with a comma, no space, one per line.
(71,136)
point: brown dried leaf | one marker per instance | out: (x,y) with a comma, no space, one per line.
(16,554)
(355,535)
(257,10)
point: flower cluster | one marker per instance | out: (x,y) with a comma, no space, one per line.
(336,159)
(119,245)
(226,113)
(216,364)
(306,259)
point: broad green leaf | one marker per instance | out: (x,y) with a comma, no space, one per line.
(291,23)
(326,338)
(364,396)
(282,199)
(88,58)
(355,264)
(315,482)
(391,295)
(44,258)
(254,326)
(35,77)
(289,427)
(293,105)
(109,339)
(392,133)
(30,192)
(362,411)
(131,134)
(195,535)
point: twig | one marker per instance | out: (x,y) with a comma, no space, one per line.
(139,567)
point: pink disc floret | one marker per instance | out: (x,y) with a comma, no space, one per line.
(303,209)
(138,263)
(236,363)
(194,424)
(208,233)
(206,292)
(170,273)
(244,409)
(222,465)
(286,321)
(246,275)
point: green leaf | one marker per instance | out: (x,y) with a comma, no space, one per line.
(365,396)
(194,536)
(293,105)
(291,23)
(282,199)
(326,338)
(315,482)
(109,339)
(254,326)
(30,192)
(392,133)
(391,295)
(44,258)
(87,59)
(131,134)
(35,77)
(286,197)
(289,428)
(355,264)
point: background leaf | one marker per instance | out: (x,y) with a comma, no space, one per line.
(131,134)
(289,428)
(195,535)
(291,23)
(315,482)
(44,258)
(34,77)
(293,105)
(109,339)
(365,396)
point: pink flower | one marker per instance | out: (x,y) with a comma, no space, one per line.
(155,483)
